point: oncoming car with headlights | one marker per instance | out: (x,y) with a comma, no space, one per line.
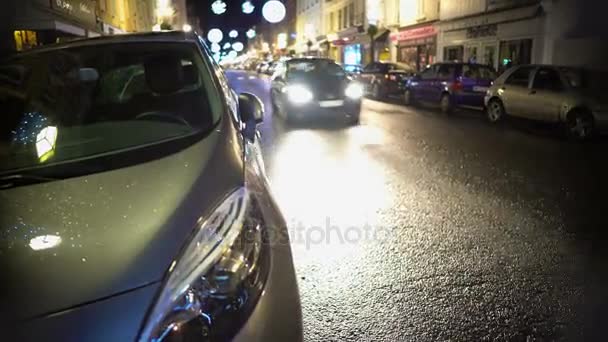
(306,87)
(134,201)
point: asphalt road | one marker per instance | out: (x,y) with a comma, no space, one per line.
(417,227)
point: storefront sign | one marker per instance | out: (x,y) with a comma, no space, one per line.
(415,33)
(498,4)
(482,31)
(81,10)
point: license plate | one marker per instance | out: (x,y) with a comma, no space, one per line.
(480,89)
(328,104)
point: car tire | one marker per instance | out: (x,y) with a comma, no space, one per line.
(495,112)
(580,125)
(445,104)
(408,98)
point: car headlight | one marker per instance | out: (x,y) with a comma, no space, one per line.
(354,91)
(214,285)
(298,94)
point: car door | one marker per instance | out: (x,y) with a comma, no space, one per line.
(446,75)
(424,83)
(544,99)
(515,89)
(367,75)
(278,83)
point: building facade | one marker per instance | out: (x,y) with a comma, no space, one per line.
(415,41)
(344,28)
(493,32)
(30,23)
(309,27)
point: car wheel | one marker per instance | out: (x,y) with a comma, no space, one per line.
(445,104)
(580,125)
(408,100)
(495,111)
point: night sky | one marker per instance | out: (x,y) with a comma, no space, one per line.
(233,18)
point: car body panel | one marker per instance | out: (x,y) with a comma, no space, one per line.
(388,76)
(119,229)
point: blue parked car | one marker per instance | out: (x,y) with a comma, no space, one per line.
(450,85)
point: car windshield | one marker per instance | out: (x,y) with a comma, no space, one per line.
(78,102)
(314,69)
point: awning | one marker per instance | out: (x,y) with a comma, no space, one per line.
(382,36)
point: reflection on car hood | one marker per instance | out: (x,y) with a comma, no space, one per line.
(68,242)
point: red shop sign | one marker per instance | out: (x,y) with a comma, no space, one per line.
(415,33)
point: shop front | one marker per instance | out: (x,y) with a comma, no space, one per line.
(349,46)
(416,46)
(499,39)
(57,21)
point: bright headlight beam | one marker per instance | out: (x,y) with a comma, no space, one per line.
(354,91)
(298,94)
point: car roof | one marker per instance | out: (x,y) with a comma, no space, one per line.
(162,36)
(310,59)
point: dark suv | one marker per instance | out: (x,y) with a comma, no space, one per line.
(450,85)
(384,79)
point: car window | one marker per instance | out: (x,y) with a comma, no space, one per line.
(428,73)
(547,79)
(478,72)
(520,77)
(372,67)
(298,69)
(94,100)
(446,71)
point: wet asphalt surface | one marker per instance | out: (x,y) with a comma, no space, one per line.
(413,226)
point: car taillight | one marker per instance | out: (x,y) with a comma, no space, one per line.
(393,78)
(456,86)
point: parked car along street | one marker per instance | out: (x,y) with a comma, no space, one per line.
(382,79)
(575,97)
(134,201)
(450,85)
(307,87)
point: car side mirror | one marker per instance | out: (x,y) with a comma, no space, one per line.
(251,111)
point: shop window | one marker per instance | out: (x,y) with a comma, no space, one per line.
(25,40)
(453,53)
(515,52)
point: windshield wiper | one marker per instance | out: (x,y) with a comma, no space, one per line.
(11,181)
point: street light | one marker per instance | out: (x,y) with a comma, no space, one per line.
(250,33)
(238,46)
(215,35)
(247,7)
(187,28)
(233,34)
(273,11)
(218,7)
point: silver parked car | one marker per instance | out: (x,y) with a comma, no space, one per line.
(573,96)
(133,198)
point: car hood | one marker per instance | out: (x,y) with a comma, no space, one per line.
(119,229)
(325,87)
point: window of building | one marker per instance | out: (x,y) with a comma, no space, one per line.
(515,52)
(331,21)
(351,13)
(340,19)
(453,53)
(347,23)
